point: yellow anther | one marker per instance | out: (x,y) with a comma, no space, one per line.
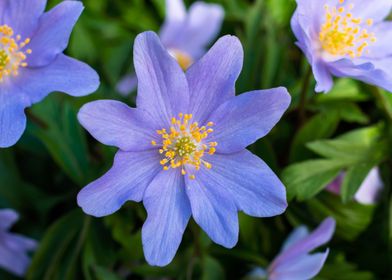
(184,144)
(12,55)
(192,177)
(343,34)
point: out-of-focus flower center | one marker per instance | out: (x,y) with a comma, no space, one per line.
(184,144)
(183,59)
(12,55)
(343,34)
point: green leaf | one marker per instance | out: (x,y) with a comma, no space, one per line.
(212,270)
(51,259)
(344,89)
(320,126)
(304,180)
(352,218)
(340,269)
(353,179)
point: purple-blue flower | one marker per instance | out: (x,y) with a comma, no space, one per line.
(184,34)
(14,248)
(346,38)
(183,150)
(32,64)
(368,192)
(294,262)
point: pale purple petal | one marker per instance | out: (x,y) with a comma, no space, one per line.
(335,186)
(213,207)
(168,211)
(127,84)
(12,116)
(383,46)
(377,72)
(162,86)
(376,10)
(13,252)
(203,24)
(22,15)
(300,268)
(175,11)
(7,218)
(130,175)
(296,236)
(252,185)
(64,74)
(244,119)
(315,239)
(370,189)
(322,75)
(114,123)
(212,78)
(53,32)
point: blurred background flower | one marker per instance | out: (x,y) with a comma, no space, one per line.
(14,248)
(345,38)
(186,35)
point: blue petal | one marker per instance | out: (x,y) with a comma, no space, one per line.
(322,75)
(212,79)
(318,237)
(382,47)
(64,74)
(213,207)
(376,72)
(376,10)
(127,85)
(301,268)
(113,123)
(12,116)
(244,119)
(7,218)
(168,211)
(296,236)
(53,32)
(127,180)
(13,253)
(252,185)
(22,15)
(162,86)
(192,34)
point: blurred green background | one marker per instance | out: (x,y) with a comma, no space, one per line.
(41,176)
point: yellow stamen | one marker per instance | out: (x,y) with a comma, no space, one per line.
(342,34)
(183,59)
(183,144)
(12,55)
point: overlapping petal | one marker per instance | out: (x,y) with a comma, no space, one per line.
(162,86)
(213,207)
(305,245)
(252,185)
(115,124)
(244,119)
(12,116)
(53,32)
(368,9)
(168,211)
(301,268)
(127,180)
(22,15)
(212,78)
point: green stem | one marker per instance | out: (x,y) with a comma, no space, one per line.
(303,99)
(37,120)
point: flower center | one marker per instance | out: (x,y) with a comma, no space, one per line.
(185,144)
(343,34)
(11,54)
(183,59)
